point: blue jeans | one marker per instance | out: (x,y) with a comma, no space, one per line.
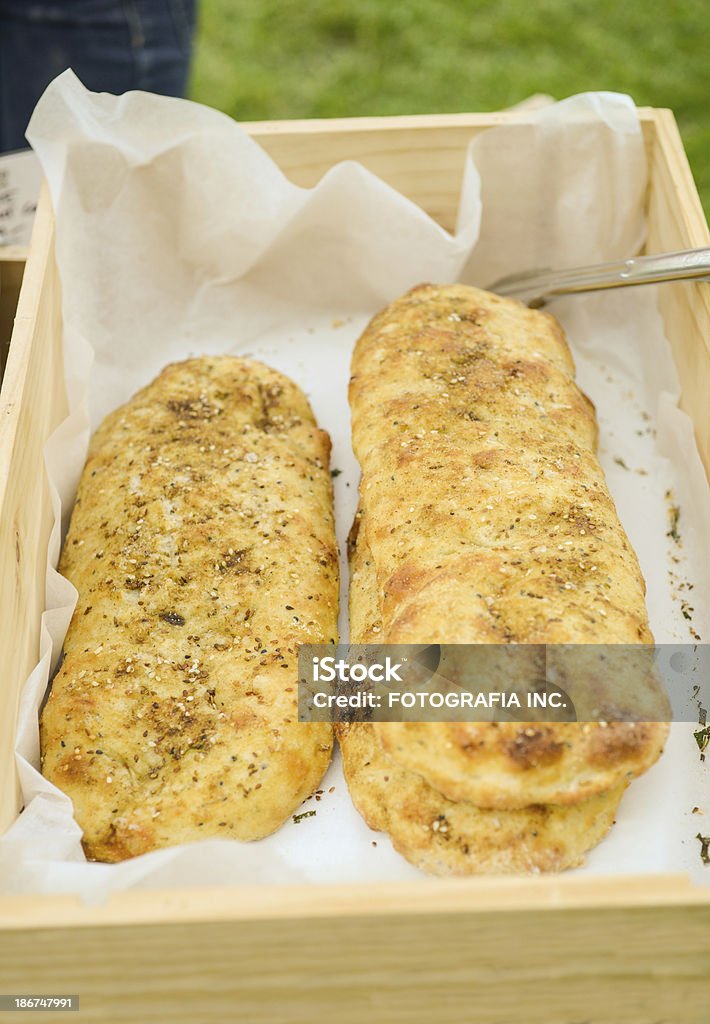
(112,45)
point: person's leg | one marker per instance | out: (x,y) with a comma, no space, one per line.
(163,32)
(112,45)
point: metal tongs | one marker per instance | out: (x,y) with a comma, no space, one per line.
(538,287)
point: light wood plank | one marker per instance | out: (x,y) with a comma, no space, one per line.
(627,965)
(422,156)
(425,896)
(32,404)
(676,221)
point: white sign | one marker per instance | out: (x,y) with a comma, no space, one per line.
(20,180)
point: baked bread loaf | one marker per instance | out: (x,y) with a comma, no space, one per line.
(485,518)
(202,546)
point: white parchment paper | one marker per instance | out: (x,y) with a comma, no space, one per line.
(177,235)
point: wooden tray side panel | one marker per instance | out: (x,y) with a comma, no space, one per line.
(423,161)
(32,404)
(629,966)
(676,221)
(420,156)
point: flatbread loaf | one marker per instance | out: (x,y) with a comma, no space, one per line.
(485,518)
(202,546)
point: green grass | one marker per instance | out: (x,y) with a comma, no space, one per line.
(262,59)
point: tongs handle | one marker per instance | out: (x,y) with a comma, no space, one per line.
(540,286)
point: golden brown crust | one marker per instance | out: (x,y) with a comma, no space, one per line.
(203,549)
(485,518)
(456,838)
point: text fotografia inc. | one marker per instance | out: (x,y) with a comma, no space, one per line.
(488,701)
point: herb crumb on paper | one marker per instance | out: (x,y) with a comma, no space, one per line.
(679,585)
(702,738)
(302,815)
(673,518)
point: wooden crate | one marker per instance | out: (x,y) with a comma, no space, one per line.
(545,950)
